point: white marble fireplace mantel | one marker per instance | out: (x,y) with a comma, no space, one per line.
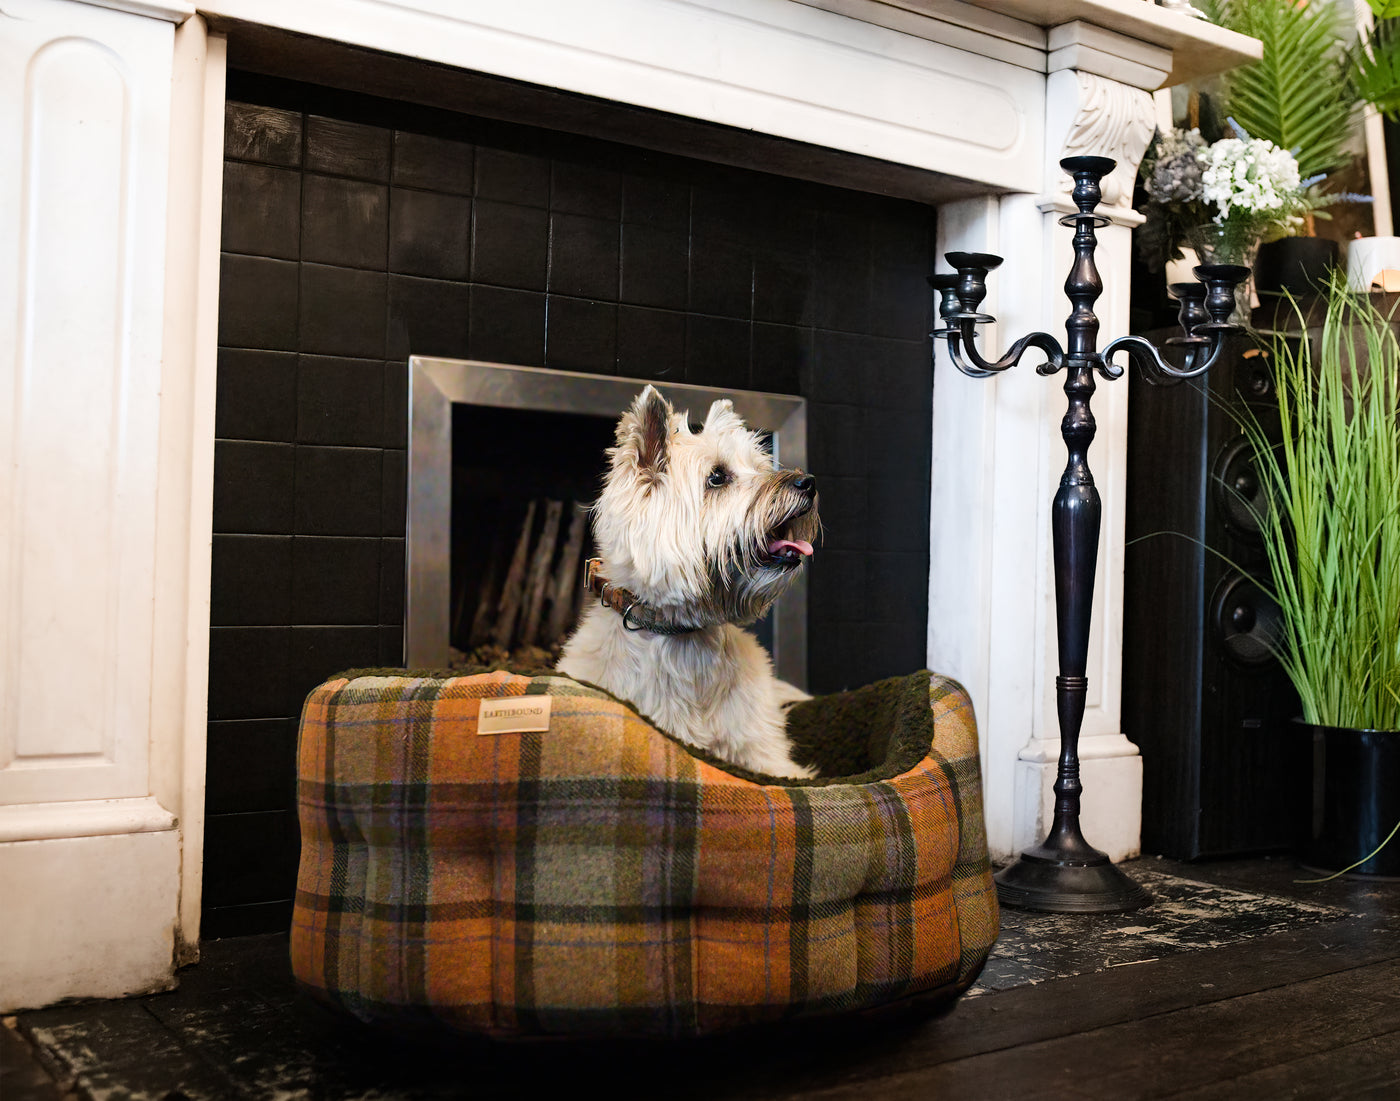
(108,279)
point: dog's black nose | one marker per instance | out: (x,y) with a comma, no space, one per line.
(804,483)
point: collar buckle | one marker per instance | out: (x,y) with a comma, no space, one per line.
(636,615)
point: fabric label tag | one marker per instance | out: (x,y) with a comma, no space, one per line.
(514,715)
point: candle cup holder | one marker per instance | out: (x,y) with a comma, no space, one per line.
(1064,873)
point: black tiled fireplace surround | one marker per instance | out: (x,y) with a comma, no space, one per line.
(358,231)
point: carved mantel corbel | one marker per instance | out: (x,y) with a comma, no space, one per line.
(1099,103)
(1113,120)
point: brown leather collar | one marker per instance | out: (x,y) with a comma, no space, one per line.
(636,615)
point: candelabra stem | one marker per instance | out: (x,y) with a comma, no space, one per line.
(1074,528)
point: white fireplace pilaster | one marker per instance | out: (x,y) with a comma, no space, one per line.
(101,639)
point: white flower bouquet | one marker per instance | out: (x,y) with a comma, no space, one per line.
(1238,191)
(1254,185)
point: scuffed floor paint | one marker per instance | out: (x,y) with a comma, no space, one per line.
(1185,916)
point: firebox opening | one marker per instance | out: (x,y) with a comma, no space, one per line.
(522,481)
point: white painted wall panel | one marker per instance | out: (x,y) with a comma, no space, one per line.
(70,378)
(84,100)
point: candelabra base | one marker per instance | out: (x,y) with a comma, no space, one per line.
(1042,880)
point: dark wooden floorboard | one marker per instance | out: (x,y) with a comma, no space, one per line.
(1161,1054)
(1366,1069)
(987,1025)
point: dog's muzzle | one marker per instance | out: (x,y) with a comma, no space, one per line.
(786,548)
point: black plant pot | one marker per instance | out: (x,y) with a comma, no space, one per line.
(1355,799)
(1298,265)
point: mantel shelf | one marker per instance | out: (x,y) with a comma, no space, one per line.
(1199,49)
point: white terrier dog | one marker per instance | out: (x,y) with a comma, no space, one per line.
(698,532)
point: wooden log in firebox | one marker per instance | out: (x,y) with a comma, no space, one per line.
(563,598)
(537,581)
(485,594)
(508,607)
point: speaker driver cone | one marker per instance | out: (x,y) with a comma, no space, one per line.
(1246,620)
(1238,494)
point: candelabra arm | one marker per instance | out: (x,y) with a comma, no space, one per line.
(975,366)
(1200,358)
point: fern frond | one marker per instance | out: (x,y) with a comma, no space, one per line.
(1297,96)
(1374,71)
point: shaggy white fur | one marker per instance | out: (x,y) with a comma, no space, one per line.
(707,533)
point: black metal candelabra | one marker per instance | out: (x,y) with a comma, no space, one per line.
(1064,873)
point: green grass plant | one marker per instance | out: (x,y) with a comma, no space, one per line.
(1332,525)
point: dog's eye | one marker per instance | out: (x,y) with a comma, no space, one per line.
(718,479)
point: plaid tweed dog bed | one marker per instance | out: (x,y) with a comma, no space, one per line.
(599,877)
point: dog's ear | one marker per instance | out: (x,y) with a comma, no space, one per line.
(722,416)
(644,432)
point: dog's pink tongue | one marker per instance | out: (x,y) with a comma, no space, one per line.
(801,546)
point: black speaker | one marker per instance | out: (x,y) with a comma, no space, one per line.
(1204,698)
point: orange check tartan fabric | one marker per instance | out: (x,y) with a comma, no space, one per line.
(598,879)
